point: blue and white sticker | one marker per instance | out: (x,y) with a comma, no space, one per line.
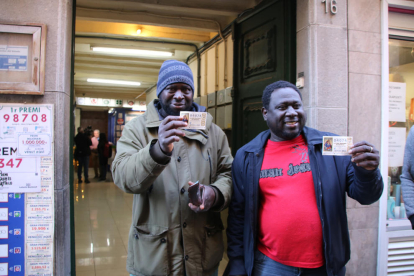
(13,58)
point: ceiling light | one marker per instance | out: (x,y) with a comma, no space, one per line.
(132,52)
(139,31)
(119,82)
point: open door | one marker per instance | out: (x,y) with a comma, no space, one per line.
(264,52)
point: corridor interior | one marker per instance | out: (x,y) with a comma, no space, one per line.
(119,49)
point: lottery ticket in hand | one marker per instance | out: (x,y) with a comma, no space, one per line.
(336,145)
(195,120)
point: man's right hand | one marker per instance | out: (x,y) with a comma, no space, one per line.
(168,132)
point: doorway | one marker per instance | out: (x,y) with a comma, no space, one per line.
(265,52)
(102,212)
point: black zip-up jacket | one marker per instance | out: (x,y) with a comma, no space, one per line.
(83,144)
(333,177)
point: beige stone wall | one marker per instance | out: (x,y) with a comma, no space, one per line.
(322,56)
(364,34)
(57,15)
(340,57)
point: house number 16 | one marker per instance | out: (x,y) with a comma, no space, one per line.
(334,9)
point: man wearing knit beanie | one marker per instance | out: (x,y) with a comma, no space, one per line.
(175,75)
(158,160)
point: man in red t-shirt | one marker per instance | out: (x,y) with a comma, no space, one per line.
(288,211)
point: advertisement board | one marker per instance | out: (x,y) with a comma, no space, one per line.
(26,189)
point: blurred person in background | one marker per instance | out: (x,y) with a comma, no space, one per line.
(104,152)
(94,152)
(82,153)
(407,177)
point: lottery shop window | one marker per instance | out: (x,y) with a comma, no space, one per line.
(401,119)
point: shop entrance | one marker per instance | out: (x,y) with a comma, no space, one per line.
(395,231)
(108,96)
(113,85)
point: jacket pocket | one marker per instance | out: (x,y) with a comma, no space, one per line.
(213,247)
(150,251)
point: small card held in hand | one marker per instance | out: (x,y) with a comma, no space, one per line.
(336,145)
(195,120)
(195,194)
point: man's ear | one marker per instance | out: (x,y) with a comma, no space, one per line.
(264,113)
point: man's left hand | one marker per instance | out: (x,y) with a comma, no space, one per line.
(208,198)
(365,155)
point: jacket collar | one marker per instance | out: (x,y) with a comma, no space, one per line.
(312,137)
(153,121)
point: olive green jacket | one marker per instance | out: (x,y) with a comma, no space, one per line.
(166,236)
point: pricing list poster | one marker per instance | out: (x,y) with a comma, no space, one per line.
(25,137)
(26,189)
(12,238)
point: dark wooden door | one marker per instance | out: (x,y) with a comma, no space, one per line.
(95,119)
(264,52)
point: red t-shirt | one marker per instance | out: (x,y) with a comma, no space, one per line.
(290,230)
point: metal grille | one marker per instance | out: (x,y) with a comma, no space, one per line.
(401,257)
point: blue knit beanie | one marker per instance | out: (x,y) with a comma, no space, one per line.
(173,71)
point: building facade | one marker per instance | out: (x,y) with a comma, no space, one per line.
(345,56)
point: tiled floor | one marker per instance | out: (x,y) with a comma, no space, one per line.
(102,219)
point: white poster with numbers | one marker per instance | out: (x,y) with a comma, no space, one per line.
(25,136)
(397,101)
(396,146)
